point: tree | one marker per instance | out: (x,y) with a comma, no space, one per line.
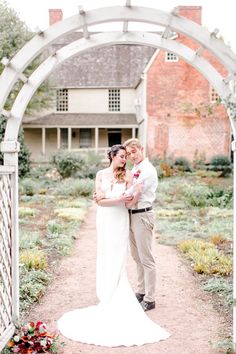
(13,36)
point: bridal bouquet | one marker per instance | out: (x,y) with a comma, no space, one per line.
(32,338)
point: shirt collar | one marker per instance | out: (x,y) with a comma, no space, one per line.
(141,163)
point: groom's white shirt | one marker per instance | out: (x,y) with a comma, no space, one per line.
(148,175)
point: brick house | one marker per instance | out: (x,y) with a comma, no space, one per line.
(107,95)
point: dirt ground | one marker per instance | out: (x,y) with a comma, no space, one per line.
(181,307)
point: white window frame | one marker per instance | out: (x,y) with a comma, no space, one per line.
(214,96)
(171,57)
(62,100)
(114,100)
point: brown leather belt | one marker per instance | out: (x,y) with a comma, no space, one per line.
(135,211)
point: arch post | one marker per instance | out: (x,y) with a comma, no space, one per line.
(10,149)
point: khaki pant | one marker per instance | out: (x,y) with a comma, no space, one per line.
(141,238)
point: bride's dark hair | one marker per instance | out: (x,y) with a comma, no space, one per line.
(120,172)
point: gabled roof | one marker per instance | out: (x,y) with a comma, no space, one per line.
(82,119)
(113,66)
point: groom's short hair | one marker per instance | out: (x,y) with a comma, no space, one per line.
(133,142)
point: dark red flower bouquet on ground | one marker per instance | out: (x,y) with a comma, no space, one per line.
(32,338)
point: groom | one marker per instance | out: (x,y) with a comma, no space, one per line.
(142,223)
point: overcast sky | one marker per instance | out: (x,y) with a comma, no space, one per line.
(215,13)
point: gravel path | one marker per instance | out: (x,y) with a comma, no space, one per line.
(183,309)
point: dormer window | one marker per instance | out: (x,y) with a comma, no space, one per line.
(114,100)
(62,100)
(214,96)
(171,57)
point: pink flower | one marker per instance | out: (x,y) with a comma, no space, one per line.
(137,173)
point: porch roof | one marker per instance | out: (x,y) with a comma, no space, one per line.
(82,119)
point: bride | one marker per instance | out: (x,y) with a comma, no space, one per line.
(118,319)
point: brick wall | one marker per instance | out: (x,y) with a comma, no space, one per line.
(178,102)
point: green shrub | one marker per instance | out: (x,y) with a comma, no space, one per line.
(220,164)
(67,162)
(75,187)
(32,286)
(29,240)
(24,212)
(28,187)
(54,227)
(203,196)
(92,164)
(39,171)
(222,287)
(61,243)
(182,164)
(198,195)
(220,160)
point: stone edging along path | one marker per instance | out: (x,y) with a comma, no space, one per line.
(181,307)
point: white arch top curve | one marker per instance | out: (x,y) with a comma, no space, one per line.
(102,40)
(112,14)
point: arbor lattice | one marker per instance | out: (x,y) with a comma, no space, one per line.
(7,281)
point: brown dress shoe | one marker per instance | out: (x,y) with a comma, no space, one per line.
(139,297)
(146,305)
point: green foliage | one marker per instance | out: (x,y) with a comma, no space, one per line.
(14,34)
(182,164)
(67,163)
(92,162)
(25,212)
(220,286)
(221,164)
(54,227)
(28,187)
(29,240)
(78,165)
(24,154)
(39,171)
(61,243)
(203,195)
(75,187)
(198,195)
(220,160)
(32,286)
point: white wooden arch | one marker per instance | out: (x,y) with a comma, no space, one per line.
(15,67)
(101,40)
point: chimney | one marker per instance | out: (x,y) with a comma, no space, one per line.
(193,13)
(55,15)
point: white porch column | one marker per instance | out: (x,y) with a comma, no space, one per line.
(96,139)
(43,140)
(58,138)
(69,138)
(133,133)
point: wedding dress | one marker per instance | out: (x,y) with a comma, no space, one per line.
(118,320)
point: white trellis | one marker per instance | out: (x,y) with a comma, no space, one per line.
(14,71)
(8,245)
